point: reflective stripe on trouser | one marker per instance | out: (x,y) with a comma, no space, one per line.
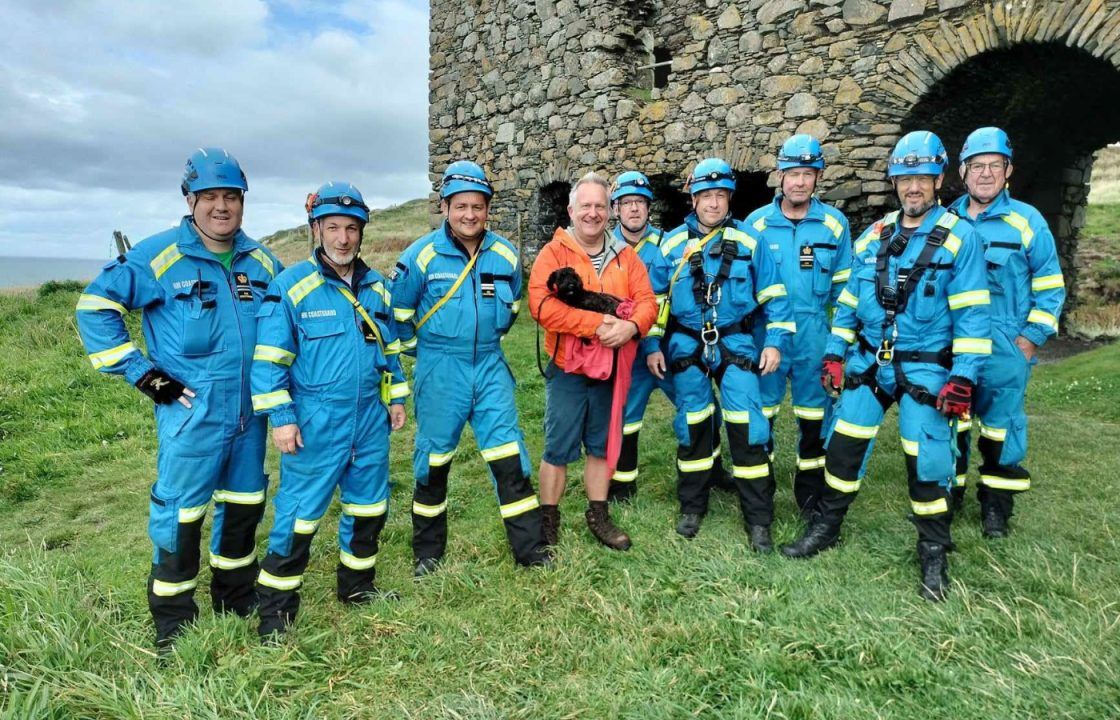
(345,447)
(450,391)
(695,461)
(203,454)
(930,468)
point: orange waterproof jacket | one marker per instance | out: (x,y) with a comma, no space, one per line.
(624,275)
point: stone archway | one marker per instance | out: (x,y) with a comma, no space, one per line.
(552,212)
(1059,105)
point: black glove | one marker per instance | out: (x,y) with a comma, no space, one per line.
(160,387)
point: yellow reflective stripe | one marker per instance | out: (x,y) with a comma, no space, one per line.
(970,298)
(384,294)
(239,498)
(306,527)
(631,428)
(840,485)
(952,244)
(864,432)
(502,451)
(163,262)
(846,298)
(403,314)
(262,257)
(770,292)
(769,411)
(516,306)
(1043,318)
(303,288)
(112,356)
(848,335)
(273,354)
(425,256)
(376,509)
(1002,483)
(656,331)
(963,425)
(861,245)
(834,225)
(808,413)
(961,480)
(671,242)
(1048,282)
(929,507)
(409,344)
(398,391)
(224,563)
(393,348)
(810,463)
(264,401)
(993,433)
(191,514)
(505,252)
(700,415)
(291,582)
(519,507)
(841,276)
(760,224)
(429,510)
(625,476)
(736,416)
(356,563)
(695,465)
(750,472)
(163,588)
(438,459)
(910,447)
(715,453)
(789,326)
(977,346)
(740,237)
(1021,224)
(87,301)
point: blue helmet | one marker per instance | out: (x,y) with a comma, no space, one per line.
(464,176)
(337,197)
(986,140)
(631,182)
(209,168)
(711,173)
(918,153)
(801,151)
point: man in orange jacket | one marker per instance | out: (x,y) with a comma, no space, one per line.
(577,408)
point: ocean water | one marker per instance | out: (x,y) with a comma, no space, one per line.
(30,271)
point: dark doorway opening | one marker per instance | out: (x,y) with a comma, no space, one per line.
(751,193)
(661,72)
(671,203)
(552,212)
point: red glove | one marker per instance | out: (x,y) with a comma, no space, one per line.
(955,399)
(832,375)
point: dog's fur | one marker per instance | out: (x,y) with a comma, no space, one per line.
(566,284)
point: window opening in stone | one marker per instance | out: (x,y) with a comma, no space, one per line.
(662,66)
(552,211)
(751,193)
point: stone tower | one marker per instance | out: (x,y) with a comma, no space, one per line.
(540,92)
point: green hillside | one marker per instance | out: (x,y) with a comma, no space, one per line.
(671,629)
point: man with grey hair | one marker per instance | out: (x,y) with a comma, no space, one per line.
(578,404)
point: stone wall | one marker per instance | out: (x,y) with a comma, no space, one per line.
(541,92)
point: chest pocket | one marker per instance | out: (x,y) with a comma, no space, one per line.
(446,321)
(823,255)
(998,258)
(739,288)
(197,308)
(928,298)
(321,346)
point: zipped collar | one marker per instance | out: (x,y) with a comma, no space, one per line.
(1000,206)
(360,277)
(693,224)
(777,217)
(447,244)
(190,242)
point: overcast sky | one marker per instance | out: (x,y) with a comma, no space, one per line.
(102,101)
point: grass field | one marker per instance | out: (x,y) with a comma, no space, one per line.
(671,629)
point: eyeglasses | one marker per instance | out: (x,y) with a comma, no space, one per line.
(978,168)
(632,202)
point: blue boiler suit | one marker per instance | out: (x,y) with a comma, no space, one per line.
(717,291)
(199,323)
(1028,292)
(814,257)
(942,329)
(318,364)
(462,376)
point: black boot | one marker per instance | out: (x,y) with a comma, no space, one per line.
(425,566)
(993,521)
(820,534)
(760,539)
(956,499)
(599,522)
(622,492)
(935,571)
(689,524)
(550,524)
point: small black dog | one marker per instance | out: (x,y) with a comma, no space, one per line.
(566,284)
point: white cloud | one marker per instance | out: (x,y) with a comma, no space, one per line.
(102,102)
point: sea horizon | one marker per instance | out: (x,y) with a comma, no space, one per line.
(19,271)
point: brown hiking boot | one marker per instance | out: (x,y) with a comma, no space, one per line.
(599,522)
(550,524)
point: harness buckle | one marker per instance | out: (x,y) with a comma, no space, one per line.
(885,354)
(709,334)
